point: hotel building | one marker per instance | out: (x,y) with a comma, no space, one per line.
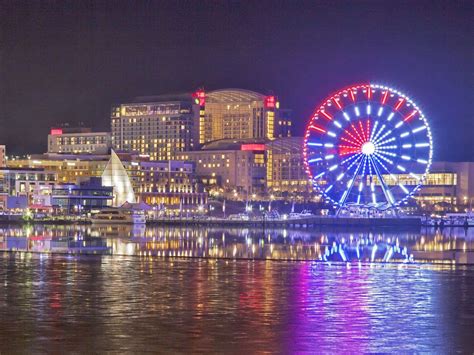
(78,141)
(239,114)
(283,124)
(285,169)
(159,126)
(233,165)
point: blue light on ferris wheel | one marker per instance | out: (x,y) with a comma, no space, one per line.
(364,149)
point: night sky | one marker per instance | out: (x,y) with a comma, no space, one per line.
(69,61)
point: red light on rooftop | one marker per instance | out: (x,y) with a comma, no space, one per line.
(56,131)
(270,102)
(200,97)
(253,146)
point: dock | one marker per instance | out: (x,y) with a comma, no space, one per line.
(308,222)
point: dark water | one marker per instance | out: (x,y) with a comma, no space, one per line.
(131,298)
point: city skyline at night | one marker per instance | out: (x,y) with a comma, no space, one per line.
(236,176)
(72,62)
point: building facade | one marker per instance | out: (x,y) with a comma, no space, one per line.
(284,123)
(449,185)
(160,127)
(84,196)
(78,141)
(33,185)
(135,178)
(3,156)
(238,114)
(68,167)
(171,183)
(232,165)
(285,168)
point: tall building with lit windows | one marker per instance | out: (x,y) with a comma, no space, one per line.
(231,165)
(157,126)
(2,156)
(78,141)
(285,168)
(238,114)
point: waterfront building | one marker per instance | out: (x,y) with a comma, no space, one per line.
(30,185)
(68,167)
(78,141)
(158,126)
(236,166)
(171,183)
(239,114)
(448,186)
(147,177)
(285,168)
(84,196)
(2,156)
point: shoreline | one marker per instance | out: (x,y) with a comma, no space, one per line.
(303,223)
(417,262)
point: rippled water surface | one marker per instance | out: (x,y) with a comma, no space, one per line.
(123,299)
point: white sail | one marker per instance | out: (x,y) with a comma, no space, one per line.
(116,176)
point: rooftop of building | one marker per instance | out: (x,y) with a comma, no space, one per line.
(178,97)
(63,156)
(230,144)
(286,144)
(23,169)
(60,132)
(233,95)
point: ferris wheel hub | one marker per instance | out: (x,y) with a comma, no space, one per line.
(368,148)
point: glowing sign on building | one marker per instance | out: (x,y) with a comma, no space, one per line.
(56,131)
(253,146)
(270,102)
(200,97)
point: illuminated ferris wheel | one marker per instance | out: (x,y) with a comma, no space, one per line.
(368,145)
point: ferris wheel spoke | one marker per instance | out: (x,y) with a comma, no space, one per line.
(381,137)
(385,189)
(350,158)
(385,141)
(377,134)
(361,183)
(384,158)
(348,189)
(374,131)
(356,139)
(361,139)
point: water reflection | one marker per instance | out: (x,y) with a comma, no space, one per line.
(74,303)
(448,245)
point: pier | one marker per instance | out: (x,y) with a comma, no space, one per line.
(308,222)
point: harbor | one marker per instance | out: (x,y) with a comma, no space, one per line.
(339,244)
(295,221)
